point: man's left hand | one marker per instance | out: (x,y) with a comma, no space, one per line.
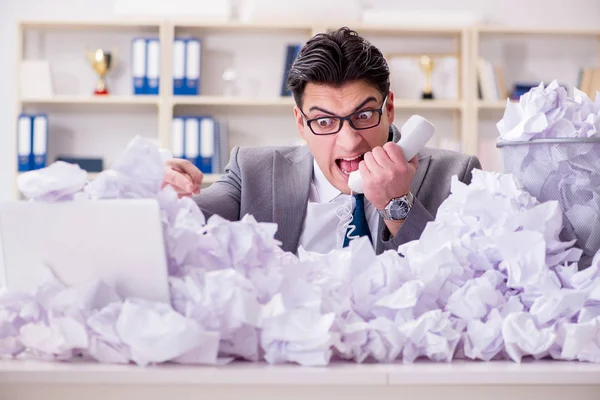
(386,174)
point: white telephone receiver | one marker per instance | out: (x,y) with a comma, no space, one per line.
(415,133)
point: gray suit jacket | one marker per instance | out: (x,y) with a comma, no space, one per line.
(272,184)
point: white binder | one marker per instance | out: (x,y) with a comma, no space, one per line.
(192,140)
(178,138)
(207,144)
(153,68)
(40,141)
(179,66)
(192,66)
(138,66)
(24,143)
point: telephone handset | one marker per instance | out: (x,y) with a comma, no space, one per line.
(415,133)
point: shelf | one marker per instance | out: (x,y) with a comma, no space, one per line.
(91,100)
(505,30)
(232,101)
(239,26)
(491,105)
(211,178)
(405,30)
(401,104)
(125,24)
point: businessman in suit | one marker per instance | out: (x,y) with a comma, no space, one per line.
(345,112)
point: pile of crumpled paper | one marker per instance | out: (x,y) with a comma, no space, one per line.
(489,279)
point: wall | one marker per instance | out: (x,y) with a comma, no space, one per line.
(557,13)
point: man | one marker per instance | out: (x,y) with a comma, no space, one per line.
(344,111)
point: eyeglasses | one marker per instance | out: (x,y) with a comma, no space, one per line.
(360,120)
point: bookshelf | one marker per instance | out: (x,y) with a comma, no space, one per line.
(524,55)
(257,115)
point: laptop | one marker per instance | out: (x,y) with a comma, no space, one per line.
(117,241)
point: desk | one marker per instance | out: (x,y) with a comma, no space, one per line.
(547,380)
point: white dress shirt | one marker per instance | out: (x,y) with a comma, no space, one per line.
(328,212)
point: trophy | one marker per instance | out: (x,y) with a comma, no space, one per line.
(427,67)
(102,61)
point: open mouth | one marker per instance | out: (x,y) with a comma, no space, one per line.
(347,165)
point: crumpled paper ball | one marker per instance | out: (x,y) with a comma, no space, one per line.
(551,143)
(490,278)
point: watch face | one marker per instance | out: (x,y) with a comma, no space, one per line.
(399,209)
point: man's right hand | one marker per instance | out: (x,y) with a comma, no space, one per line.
(183,176)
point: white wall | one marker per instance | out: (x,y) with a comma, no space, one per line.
(556,13)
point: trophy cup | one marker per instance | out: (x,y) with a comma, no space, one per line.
(427,67)
(102,61)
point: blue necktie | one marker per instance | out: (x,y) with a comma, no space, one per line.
(359,221)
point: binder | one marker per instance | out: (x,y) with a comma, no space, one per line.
(192,140)
(153,65)
(179,67)
(24,146)
(207,145)
(290,56)
(178,138)
(40,141)
(192,67)
(138,66)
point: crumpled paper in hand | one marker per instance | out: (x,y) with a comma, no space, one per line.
(568,172)
(490,278)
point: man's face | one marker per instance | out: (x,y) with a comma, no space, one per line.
(339,154)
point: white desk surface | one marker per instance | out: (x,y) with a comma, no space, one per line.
(246,373)
(460,380)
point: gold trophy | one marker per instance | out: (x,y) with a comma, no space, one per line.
(102,61)
(427,67)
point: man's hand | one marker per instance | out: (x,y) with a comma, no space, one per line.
(184,176)
(387,175)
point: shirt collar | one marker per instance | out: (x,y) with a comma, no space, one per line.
(326,191)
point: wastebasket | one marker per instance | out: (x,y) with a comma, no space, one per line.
(566,170)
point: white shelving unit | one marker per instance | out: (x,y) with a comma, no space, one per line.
(258,116)
(529,55)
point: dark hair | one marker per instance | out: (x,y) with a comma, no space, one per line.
(337,57)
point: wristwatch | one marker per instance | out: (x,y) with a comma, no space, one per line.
(398,208)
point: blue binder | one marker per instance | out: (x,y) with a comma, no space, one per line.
(24,142)
(179,67)
(207,144)
(153,65)
(192,139)
(290,56)
(139,66)
(39,140)
(193,54)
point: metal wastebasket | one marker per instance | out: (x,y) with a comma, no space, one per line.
(566,170)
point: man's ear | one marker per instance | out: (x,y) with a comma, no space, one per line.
(389,105)
(299,121)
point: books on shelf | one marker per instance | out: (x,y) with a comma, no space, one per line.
(200,140)
(490,81)
(32,141)
(589,81)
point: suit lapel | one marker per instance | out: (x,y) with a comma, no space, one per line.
(292,175)
(417,181)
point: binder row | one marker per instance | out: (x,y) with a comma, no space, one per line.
(198,140)
(146,60)
(32,141)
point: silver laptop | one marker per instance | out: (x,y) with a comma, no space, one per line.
(117,241)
